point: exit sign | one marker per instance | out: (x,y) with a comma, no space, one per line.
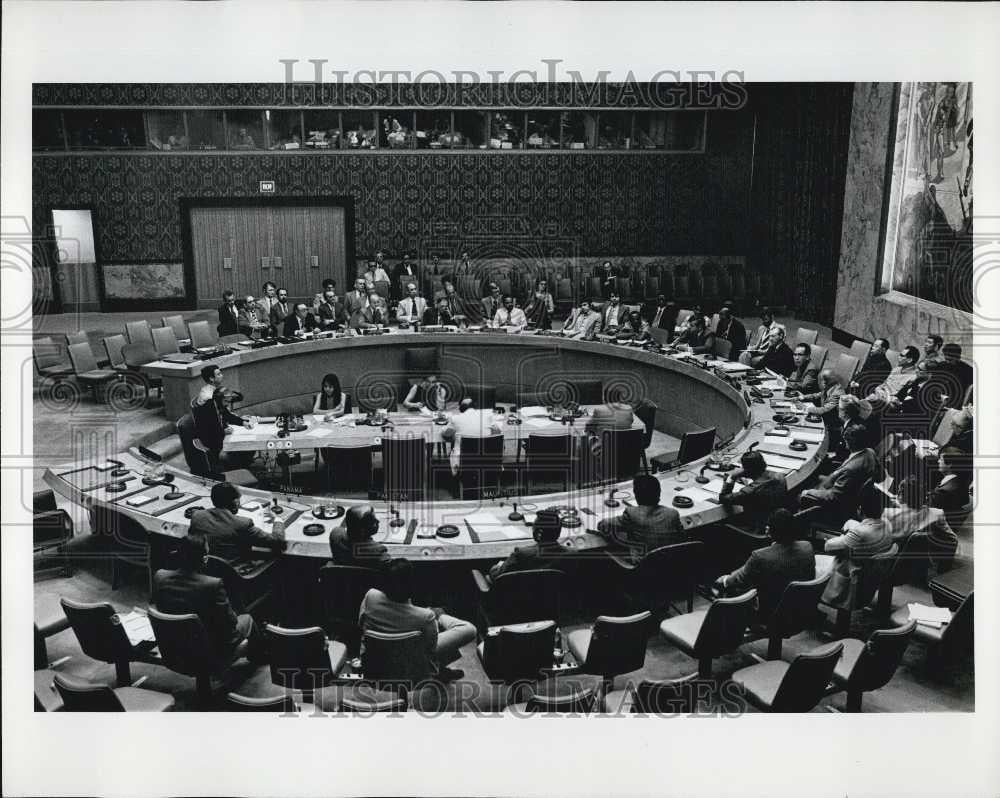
(266,186)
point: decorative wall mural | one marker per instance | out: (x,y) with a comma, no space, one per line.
(144,280)
(929,234)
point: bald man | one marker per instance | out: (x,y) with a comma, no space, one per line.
(352,543)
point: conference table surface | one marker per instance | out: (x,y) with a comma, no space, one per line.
(483,528)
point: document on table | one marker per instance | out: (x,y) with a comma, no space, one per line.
(137,627)
(532,410)
(537,423)
(491,529)
(929,616)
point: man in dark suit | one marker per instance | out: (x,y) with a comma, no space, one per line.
(187,589)
(231,537)
(229,315)
(731,329)
(777,357)
(772,568)
(840,489)
(765,493)
(301,321)
(250,319)
(804,378)
(439,314)
(544,553)
(664,315)
(607,273)
(280,311)
(404,272)
(875,368)
(331,312)
(212,417)
(952,492)
(647,526)
(352,544)
(952,376)
(492,302)
(612,315)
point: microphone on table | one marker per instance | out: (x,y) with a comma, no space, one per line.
(397,520)
(701,479)
(611,501)
(515,515)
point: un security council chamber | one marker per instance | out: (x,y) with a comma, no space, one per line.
(559,398)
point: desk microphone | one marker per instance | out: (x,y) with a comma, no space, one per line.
(396,521)
(611,501)
(701,479)
(515,515)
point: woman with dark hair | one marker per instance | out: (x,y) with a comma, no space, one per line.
(331,401)
(541,306)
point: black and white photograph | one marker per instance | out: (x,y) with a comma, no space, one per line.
(564,399)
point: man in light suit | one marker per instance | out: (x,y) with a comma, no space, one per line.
(470,423)
(772,568)
(250,320)
(411,309)
(759,340)
(356,299)
(268,299)
(187,589)
(647,526)
(613,315)
(839,490)
(509,315)
(371,314)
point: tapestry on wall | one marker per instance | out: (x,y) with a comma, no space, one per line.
(928,243)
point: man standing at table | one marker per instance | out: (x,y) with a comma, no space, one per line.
(268,299)
(331,312)
(411,309)
(280,311)
(213,420)
(404,271)
(356,299)
(229,315)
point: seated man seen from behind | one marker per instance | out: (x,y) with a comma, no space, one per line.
(545,553)
(352,543)
(645,527)
(839,490)
(393,612)
(772,568)
(230,536)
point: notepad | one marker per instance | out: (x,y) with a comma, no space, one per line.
(935,617)
(491,529)
(138,501)
(537,423)
(137,627)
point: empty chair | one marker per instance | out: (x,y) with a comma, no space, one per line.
(281,704)
(868,665)
(49,620)
(860,351)
(551,461)
(86,370)
(844,367)
(518,652)
(817,356)
(623,285)
(49,359)
(618,458)
(128,542)
(480,465)
(694,446)
(795,612)
(382,289)
(373,701)
(52,528)
(78,337)
(396,661)
(342,589)
(722,349)
(558,696)
(406,462)
(303,659)
(113,345)
(80,696)
(951,641)
(805,335)
(138,332)
(349,464)
(594,290)
(777,686)
(612,646)
(176,323)
(706,634)
(202,334)
(102,637)
(645,411)
(138,355)
(165,341)
(663,574)
(520,596)
(658,697)
(186,649)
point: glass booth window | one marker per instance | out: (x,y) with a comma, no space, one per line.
(543,129)
(205,130)
(284,130)
(322,130)
(102,130)
(245,130)
(471,130)
(614,130)
(397,129)
(433,129)
(506,130)
(47,130)
(359,130)
(167,130)
(579,129)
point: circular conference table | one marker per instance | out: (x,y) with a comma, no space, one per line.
(691,393)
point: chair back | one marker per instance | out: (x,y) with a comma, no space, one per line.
(549,458)
(176,323)
(364,703)
(98,630)
(714,325)
(958,634)
(946,427)
(298,657)
(382,289)
(375,396)
(519,652)
(46,352)
(524,596)
(138,332)
(197,461)
(722,348)
(202,334)
(564,290)
(183,643)
(618,645)
(576,700)
(81,357)
(845,366)
(880,657)
(405,461)
(817,356)
(398,658)
(480,462)
(620,454)
(860,350)
(129,536)
(223,569)
(80,696)
(683,315)
(806,680)
(669,571)
(139,354)
(796,609)
(667,696)
(165,341)
(892,356)
(78,337)
(113,345)
(594,288)
(342,589)
(696,444)
(282,704)
(724,624)
(805,335)
(645,411)
(875,571)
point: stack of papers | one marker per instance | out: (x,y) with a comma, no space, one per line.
(490,529)
(929,616)
(137,627)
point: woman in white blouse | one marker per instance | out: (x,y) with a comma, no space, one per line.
(331,401)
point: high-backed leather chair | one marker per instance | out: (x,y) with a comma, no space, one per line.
(81,696)
(48,357)
(281,704)
(518,652)
(303,659)
(520,596)
(660,697)
(138,332)
(777,686)
(663,574)
(706,634)
(795,612)
(612,646)
(342,588)
(869,665)
(951,641)
(86,370)
(480,465)
(165,341)
(101,636)
(394,661)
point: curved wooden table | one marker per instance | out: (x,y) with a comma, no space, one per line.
(689,397)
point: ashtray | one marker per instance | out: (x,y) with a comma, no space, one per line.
(120,472)
(313,530)
(173,495)
(791,394)
(785,418)
(115,487)
(440,421)
(514,420)
(326,514)
(166,479)
(720,466)
(797,446)
(189,511)
(683,501)
(447,531)
(812,418)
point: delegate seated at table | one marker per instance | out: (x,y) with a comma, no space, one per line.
(509,316)
(468,422)
(428,393)
(411,309)
(582,323)
(647,526)
(300,322)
